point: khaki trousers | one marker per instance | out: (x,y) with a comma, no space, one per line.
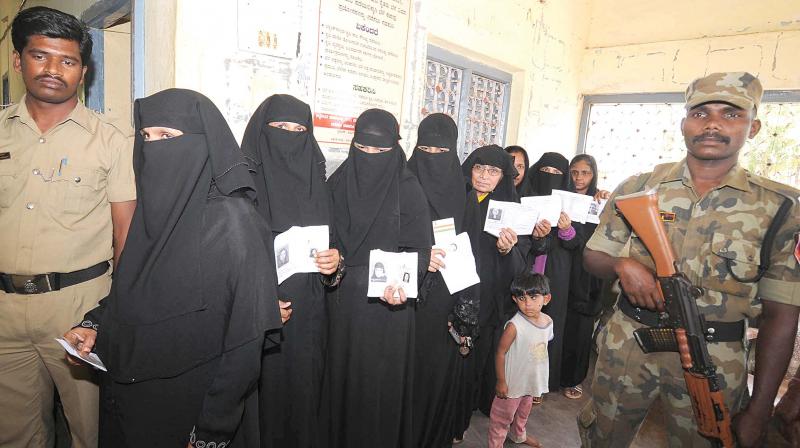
(32,364)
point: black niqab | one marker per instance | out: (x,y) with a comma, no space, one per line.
(366,192)
(440,173)
(157,304)
(541,183)
(289,166)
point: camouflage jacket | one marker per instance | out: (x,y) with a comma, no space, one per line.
(728,223)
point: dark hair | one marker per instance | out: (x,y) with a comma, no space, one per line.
(518,149)
(52,23)
(592,189)
(530,284)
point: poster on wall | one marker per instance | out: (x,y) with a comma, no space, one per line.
(269,28)
(361,63)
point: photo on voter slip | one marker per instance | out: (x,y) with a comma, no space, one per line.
(296,249)
(396,269)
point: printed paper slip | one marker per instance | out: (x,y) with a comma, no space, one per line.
(444,229)
(92,359)
(296,248)
(575,205)
(517,217)
(460,271)
(397,269)
(594,211)
(548,207)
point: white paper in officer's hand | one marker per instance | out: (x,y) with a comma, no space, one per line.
(296,248)
(575,205)
(460,271)
(396,269)
(92,359)
(594,211)
(517,217)
(548,207)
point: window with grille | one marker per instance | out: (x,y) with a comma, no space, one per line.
(629,134)
(475,95)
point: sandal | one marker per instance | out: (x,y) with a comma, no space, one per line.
(537,400)
(573,393)
(457,441)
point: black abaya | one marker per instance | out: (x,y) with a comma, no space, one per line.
(193,294)
(437,360)
(368,384)
(559,254)
(496,272)
(289,173)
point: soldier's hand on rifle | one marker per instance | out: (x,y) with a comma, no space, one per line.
(639,284)
(750,429)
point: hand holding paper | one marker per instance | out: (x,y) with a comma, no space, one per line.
(461,270)
(296,250)
(517,217)
(392,269)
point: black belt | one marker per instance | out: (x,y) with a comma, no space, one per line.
(54,281)
(714,331)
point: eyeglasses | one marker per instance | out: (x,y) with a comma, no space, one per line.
(490,170)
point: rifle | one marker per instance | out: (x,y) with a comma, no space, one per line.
(681,325)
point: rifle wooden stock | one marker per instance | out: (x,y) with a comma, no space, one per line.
(710,413)
(641,212)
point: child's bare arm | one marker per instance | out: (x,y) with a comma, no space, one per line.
(509,334)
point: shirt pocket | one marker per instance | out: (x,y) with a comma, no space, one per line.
(732,256)
(10,183)
(76,191)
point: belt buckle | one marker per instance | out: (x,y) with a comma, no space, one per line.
(31,284)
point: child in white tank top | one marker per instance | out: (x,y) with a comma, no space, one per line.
(521,362)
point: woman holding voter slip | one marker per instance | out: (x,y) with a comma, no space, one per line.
(377,204)
(490,172)
(438,363)
(182,330)
(551,251)
(583,304)
(289,177)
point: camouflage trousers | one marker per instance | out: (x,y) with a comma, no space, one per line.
(627,381)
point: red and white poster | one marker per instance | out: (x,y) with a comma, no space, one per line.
(361,62)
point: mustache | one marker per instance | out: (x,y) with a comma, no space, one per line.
(50,77)
(711,136)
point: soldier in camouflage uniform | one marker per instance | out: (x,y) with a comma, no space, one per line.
(716,215)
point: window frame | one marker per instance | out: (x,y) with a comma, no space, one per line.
(470,67)
(770,96)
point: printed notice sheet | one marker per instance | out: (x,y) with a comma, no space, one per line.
(460,271)
(397,269)
(594,211)
(92,359)
(296,248)
(517,217)
(548,207)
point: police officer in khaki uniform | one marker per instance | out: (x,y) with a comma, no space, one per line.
(717,217)
(67,195)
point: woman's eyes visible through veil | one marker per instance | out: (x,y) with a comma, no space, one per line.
(159,133)
(288,126)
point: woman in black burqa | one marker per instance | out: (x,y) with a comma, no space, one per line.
(438,362)
(490,173)
(289,170)
(183,327)
(377,204)
(552,248)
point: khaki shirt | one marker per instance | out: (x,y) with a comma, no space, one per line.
(728,223)
(56,190)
